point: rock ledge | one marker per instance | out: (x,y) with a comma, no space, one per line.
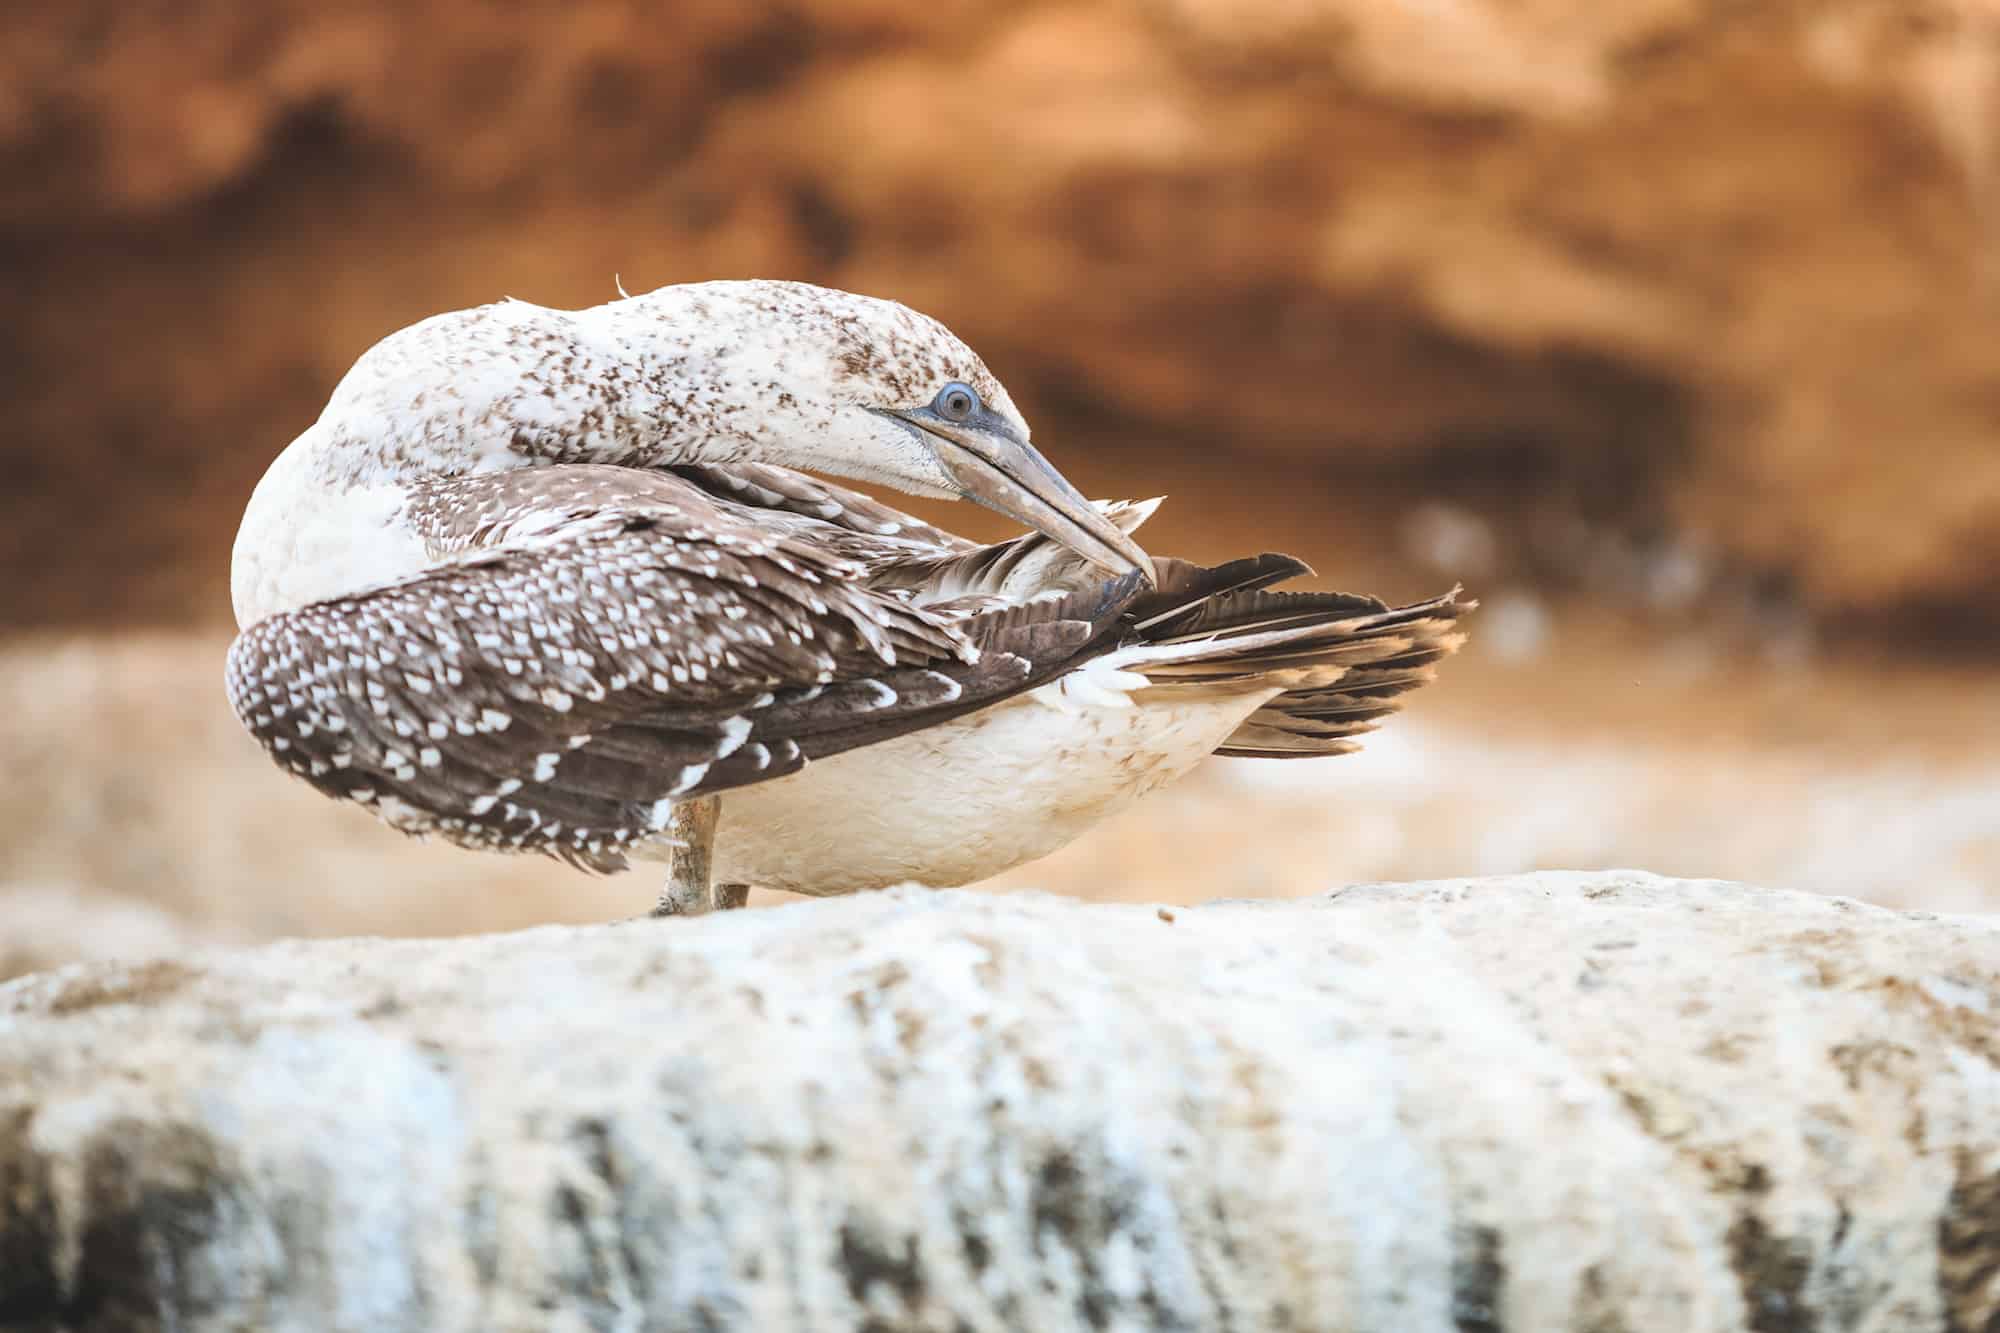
(1559,1101)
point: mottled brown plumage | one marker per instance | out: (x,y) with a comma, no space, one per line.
(536,578)
(596,643)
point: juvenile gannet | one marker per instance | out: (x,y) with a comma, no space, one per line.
(546,580)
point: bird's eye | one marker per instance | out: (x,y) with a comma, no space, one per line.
(956,402)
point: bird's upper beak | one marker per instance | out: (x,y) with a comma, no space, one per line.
(993,465)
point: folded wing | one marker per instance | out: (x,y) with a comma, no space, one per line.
(597,644)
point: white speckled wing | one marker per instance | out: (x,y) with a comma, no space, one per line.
(600,642)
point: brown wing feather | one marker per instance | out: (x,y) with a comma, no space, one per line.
(832,508)
(614,654)
(1348,661)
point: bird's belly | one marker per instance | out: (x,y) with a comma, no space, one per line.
(967,799)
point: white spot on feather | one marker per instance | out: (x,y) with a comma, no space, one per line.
(735,730)
(952,688)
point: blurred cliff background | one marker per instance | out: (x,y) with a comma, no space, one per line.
(1672,328)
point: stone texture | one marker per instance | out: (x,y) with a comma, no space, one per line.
(1560,1101)
(46,926)
(1724,271)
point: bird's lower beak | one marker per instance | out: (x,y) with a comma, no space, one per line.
(1008,475)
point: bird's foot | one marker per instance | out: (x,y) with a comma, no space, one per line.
(690,888)
(720,898)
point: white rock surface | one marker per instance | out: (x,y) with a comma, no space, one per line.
(48,925)
(1553,1102)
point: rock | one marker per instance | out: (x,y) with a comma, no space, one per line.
(43,925)
(1550,1102)
(1720,269)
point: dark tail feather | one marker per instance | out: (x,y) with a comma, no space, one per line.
(1345,660)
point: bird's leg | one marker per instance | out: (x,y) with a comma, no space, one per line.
(690,890)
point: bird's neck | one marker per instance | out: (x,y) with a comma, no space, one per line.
(644,382)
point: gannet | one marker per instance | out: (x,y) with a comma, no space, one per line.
(553,581)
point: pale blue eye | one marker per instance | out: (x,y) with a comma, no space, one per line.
(956,402)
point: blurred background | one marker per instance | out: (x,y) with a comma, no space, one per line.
(1671,328)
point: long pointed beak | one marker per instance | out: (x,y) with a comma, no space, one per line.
(1009,476)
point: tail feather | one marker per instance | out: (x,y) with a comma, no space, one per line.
(1342,661)
(1183,590)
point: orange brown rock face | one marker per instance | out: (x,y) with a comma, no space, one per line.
(1726,272)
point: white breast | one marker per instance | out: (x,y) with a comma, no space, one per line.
(969,798)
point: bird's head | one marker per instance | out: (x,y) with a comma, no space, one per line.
(870,389)
(710,372)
